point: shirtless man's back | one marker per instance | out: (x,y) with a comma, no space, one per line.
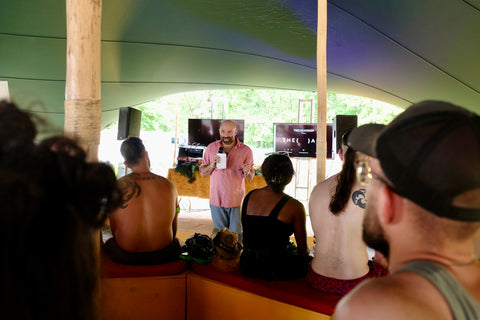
(336,211)
(146,220)
(340,252)
(145,225)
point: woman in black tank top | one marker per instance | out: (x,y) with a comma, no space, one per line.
(269,218)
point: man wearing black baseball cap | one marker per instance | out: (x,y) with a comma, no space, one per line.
(423,213)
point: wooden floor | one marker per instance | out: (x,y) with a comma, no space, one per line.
(193,221)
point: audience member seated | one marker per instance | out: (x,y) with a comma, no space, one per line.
(336,208)
(51,202)
(423,214)
(145,225)
(269,218)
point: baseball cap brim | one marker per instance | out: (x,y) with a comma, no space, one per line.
(364,138)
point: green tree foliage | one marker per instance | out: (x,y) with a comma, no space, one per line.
(259,108)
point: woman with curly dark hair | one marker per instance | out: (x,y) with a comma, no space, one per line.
(51,203)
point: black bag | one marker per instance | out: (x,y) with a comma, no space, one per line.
(199,248)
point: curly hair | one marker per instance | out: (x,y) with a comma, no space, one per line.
(51,202)
(18,130)
(277,170)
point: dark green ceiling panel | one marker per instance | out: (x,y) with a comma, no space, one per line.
(270,21)
(397,51)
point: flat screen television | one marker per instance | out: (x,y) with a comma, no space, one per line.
(204,131)
(299,139)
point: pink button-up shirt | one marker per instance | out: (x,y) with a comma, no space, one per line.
(227,186)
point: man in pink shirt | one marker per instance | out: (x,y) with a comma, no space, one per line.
(227,186)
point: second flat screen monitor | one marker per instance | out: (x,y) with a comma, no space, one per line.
(299,140)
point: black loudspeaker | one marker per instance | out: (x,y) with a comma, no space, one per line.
(129,122)
(330,153)
(341,124)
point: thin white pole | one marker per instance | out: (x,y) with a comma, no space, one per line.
(321,90)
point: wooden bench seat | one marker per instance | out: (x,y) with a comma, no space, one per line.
(175,291)
(249,298)
(143,292)
(110,269)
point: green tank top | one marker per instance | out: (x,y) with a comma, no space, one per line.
(463,306)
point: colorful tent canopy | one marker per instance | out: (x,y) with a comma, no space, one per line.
(397,51)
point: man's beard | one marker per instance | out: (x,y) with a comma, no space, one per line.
(227,140)
(373,233)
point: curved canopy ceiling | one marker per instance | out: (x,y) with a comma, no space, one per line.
(397,51)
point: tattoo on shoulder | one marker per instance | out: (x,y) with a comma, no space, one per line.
(130,189)
(359,199)
(138,176)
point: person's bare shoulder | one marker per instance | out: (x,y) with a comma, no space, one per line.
(388,298)
(325,188)
(127,182)
(296,206)
(161,178)
(148,177)
(321,193)
(371,299)
(132,184)
(130,189)
(164,183)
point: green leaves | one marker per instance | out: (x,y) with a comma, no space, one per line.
(188,169)
(259,108)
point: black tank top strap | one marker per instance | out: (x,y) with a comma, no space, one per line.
(245,203)
(279,206)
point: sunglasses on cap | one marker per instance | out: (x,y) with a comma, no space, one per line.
(365,174)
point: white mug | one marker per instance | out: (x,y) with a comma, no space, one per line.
(223,161)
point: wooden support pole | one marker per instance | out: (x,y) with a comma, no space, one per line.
(321,90)
(83,107)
